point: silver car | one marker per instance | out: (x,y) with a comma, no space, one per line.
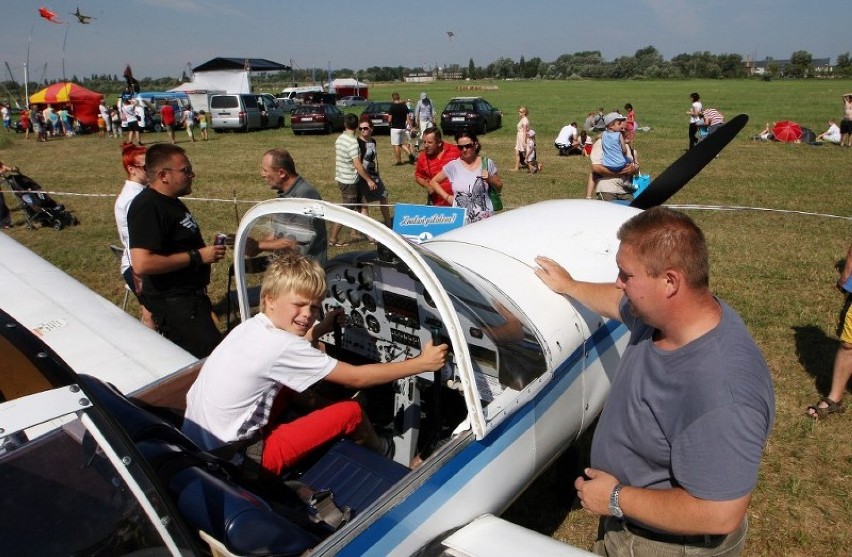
(352,101)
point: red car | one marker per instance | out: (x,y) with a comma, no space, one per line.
(324,118)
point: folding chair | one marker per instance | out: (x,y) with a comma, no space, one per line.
(118,252)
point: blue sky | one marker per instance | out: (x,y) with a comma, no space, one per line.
(161,37)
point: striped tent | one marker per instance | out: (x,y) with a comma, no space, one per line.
(81,102)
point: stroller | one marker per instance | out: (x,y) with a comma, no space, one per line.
(39,208)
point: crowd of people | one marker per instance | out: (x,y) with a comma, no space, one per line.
(127,119)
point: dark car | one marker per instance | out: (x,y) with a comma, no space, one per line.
(470,113)
(324,118)
(379,115)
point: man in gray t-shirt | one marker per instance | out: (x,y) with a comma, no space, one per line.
(676,453)
(297,232)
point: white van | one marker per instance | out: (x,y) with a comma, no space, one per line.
(298,94)
(244,112)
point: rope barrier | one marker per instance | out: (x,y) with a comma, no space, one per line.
(761,209)
(236,201)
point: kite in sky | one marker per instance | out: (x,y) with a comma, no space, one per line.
(84,19)
(48,15)
(450,35)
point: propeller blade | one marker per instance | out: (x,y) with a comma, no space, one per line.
(684,169)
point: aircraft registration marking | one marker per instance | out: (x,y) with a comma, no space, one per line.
(48,326)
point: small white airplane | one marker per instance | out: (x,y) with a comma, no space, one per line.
(90,470)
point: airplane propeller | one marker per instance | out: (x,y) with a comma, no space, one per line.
(684,169)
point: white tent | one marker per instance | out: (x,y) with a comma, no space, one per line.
(230,75)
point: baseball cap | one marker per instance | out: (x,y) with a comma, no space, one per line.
(612,117)
(422,96)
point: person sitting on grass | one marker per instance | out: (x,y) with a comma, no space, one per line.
(267,365)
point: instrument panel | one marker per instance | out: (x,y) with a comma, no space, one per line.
(389,315)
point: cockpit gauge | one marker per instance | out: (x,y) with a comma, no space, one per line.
(338,293)
(369,302)
(354,298)
(356,319)
(373,324)
(366,278)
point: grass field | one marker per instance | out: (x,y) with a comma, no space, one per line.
(775,266)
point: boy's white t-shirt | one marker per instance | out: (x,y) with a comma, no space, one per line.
(243,375)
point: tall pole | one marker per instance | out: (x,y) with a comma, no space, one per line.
(26,66)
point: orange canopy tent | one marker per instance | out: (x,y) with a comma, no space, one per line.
(81,102)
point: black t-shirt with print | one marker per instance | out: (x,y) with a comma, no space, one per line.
(165,226)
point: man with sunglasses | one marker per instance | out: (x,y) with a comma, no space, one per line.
(167,249)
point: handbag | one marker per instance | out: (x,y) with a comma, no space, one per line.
(493,193)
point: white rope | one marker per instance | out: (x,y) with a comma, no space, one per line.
(256,201)
(762,209)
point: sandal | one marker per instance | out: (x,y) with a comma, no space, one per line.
(817,412)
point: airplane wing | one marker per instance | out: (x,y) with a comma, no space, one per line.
(490,536)
(90,333)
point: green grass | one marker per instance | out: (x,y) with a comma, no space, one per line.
(777,268)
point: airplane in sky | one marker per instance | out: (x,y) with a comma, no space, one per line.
(84,19)
(529,372)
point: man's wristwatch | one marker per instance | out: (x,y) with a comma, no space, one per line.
(614,507)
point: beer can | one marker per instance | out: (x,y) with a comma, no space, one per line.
(220,239)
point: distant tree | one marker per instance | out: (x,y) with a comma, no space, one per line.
(471,69)
(521,69)
(773,68)
(504,68)
(647,58)
(801,64)
(731,65)
(843,68)
(532,68)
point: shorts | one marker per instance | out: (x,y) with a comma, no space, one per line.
(844,327)
(132,126)
(846,126)
(348,193)
(286,444)
(366,195)
(398,136)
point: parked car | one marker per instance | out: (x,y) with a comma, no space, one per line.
(324,118)
(470,113)
(287,104)
(352,101)
(244,112)
(379,115)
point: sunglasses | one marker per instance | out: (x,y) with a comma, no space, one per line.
(466,146)
(365,128)
(187,170)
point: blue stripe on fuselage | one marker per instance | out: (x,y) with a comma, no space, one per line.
(398,523)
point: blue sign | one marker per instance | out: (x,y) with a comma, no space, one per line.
(419,223)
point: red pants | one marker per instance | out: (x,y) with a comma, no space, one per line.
(285,444)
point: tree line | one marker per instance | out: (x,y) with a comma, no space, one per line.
(646,63)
